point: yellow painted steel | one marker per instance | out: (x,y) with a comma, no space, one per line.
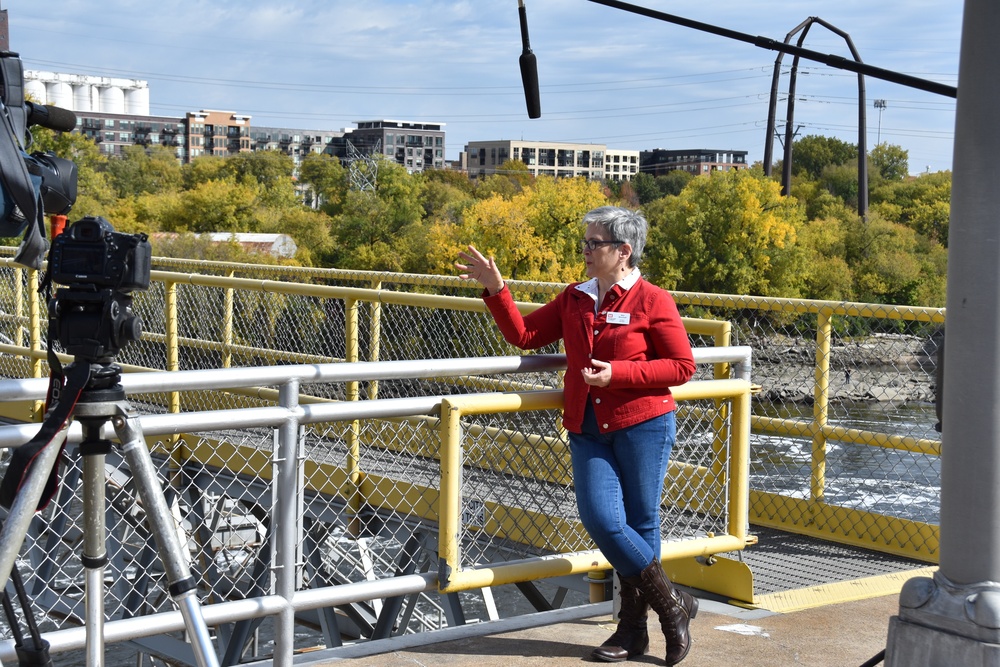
(901,537)
(228,318)
(821,406)
(35,335)
(785,602)
(723,576)
(375,337)
(449,502)
(453,577)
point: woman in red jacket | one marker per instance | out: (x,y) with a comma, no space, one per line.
(625,347)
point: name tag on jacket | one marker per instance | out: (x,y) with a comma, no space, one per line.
(619,318)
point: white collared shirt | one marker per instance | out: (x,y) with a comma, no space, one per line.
(590,287)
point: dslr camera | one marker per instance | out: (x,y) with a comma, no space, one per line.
(92,315)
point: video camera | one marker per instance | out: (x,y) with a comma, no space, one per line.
(31,185)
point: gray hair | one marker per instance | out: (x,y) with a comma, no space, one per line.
(621,224)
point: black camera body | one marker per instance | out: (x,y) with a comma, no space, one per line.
(91,252)
(92,316)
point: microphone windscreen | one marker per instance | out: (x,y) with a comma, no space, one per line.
(62,120)
(529,77)
(54,118)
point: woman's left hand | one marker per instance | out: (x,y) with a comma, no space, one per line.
(599,373)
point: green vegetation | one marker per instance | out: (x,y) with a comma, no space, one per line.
(726,232)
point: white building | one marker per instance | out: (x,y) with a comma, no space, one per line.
(560,160)
(621,165)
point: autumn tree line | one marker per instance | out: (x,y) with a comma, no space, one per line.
(724,232)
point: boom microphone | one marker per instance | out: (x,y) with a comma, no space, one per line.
(529,67)
(54,118)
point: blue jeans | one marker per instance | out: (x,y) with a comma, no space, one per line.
(619,480)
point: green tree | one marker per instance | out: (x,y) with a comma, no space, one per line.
(893,264)
(673,182)
(327,179)
(310,229)
(728,232)
(891,162)
(922,203)
(841,180)
(554,209)
(271,170)
(203,169)
(813,153)
(215,206)
(139,171)
(445,201)
(645,188)
(828,275)
(367,232)
(516,171)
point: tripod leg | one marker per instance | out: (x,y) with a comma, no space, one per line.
(23,508)
(161,523)
(95,556)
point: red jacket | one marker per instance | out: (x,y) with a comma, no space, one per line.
(648,354)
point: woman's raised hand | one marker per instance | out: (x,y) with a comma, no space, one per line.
(481,269)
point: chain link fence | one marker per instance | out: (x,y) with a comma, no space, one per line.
(843,444)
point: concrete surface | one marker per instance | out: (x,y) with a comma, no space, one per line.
(839,635)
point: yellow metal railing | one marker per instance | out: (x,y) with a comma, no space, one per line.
(456,577)
(369,336)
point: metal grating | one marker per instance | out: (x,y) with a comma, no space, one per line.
(783,561)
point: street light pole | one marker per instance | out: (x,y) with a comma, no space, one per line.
(880,105)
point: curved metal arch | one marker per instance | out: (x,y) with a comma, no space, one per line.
(786,176)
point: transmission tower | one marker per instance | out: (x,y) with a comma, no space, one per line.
(362,168)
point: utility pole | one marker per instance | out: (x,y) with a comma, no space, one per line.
(880,105)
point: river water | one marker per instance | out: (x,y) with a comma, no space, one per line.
(875,479)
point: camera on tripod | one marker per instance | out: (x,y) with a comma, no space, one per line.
(100,268)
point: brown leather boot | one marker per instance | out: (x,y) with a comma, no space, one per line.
(630,638)
(674,607)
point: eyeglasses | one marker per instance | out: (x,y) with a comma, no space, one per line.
(592,245)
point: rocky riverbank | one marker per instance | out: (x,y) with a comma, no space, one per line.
(883,368)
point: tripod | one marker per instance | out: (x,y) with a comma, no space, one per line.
(101,400)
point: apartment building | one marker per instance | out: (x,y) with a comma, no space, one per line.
(620,165)
(560,160)
(298,143)
(218,133)
(694,160)
(416,146)
(115,113)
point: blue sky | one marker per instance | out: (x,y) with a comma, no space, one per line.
(607,76)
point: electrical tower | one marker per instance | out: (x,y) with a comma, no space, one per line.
(362,168)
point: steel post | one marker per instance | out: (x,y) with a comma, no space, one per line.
(954,617)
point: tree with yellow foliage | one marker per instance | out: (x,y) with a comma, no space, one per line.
(727,233)
(533,234)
